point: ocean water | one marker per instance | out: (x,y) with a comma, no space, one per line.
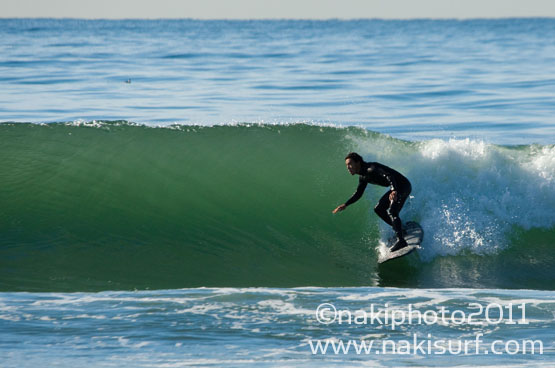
(166,190)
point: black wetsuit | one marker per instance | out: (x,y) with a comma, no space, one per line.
(376,173)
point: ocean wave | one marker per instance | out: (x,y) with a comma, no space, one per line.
(93,205)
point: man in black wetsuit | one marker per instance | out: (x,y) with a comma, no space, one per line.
(390,204)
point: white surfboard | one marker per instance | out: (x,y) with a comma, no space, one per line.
(413,235)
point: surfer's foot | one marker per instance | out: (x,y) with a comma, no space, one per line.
(401,243)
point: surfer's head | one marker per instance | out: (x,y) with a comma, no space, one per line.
(353,161)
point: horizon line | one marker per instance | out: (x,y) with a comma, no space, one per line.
(285,18)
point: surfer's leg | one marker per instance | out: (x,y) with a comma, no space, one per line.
(381,208)
(393,212)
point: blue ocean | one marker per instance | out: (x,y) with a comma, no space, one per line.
(167,187)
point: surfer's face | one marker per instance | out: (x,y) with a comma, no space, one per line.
(352,166)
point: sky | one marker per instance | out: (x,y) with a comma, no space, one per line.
(270,9)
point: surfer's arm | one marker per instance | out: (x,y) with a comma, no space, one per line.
(360,190)
(393,182)
(388,176)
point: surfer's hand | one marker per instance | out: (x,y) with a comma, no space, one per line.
(339,208)
(393,196)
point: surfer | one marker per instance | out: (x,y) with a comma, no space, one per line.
(390,204)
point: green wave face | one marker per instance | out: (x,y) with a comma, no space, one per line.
(117,206)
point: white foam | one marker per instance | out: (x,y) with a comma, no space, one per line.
(283,307)
(8,317)
(467,194)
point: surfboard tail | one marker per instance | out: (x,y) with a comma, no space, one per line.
(413,237)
